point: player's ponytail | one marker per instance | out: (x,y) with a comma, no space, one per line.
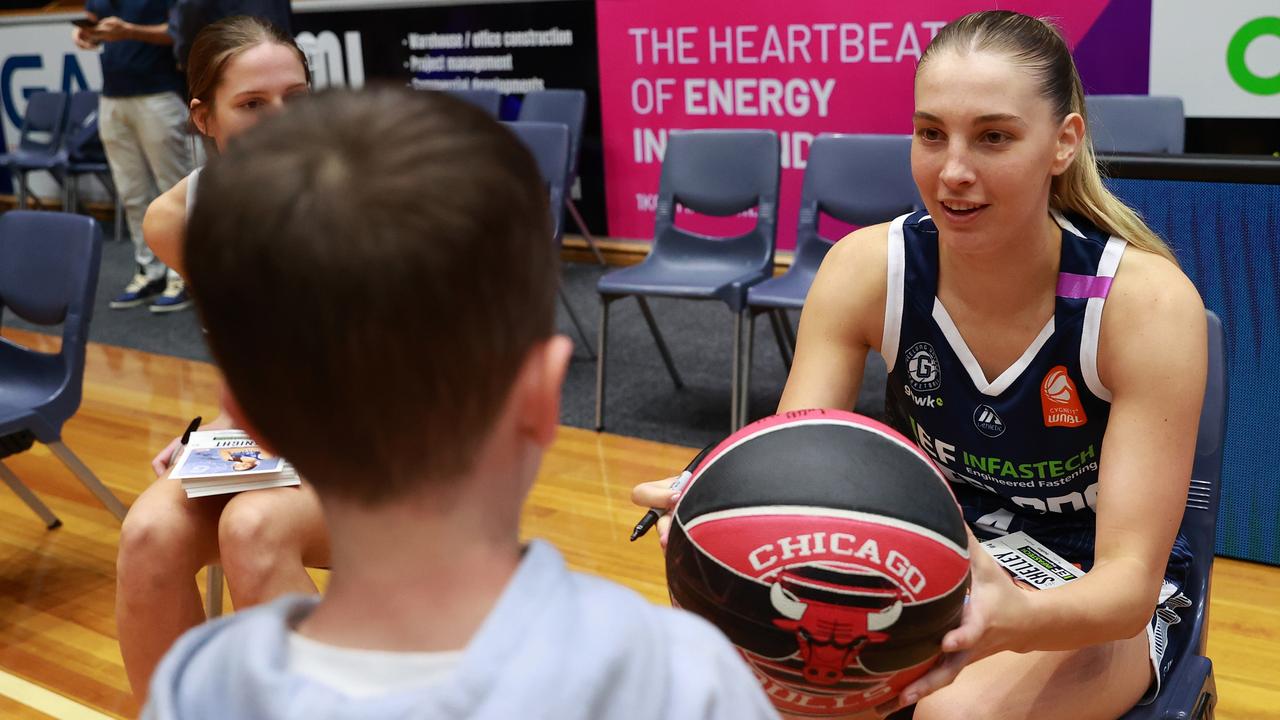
(1037,46)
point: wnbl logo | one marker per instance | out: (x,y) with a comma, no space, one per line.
(330,65)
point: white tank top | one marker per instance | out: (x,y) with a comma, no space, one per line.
(191,189)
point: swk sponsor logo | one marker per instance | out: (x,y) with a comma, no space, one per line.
(922,400)
(1060,400)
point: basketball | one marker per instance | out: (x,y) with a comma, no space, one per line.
(830,551)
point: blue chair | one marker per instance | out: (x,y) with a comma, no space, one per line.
(1190,691)
(568,107)
(48,274)
(39,144)
(713,172)
(858,179)
(85,155)
(487,100)
(549,143)
(1136,123)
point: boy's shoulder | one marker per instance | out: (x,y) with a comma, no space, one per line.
(556,644)
(616,655)
(227,659)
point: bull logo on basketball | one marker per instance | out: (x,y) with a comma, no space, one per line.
(829,637)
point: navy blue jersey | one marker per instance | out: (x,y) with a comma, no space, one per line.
(1021,450)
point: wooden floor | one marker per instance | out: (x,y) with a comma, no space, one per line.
(57,631)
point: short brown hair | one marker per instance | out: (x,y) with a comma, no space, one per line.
(372,269)
(219,42)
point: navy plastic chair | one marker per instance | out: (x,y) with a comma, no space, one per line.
(39,144)
(488,100)
(549,143)
(568,107)
(858,179)
(1136,123)
(48,274)
(84,155)
(713,172)
(1190,691)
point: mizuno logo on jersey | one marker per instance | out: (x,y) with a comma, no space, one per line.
(1060,400)
(988,421)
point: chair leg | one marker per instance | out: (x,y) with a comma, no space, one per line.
(662,344)
(573,317)
(582,227)
(603,343)
(69,194)
(213,582)
(20,489)
(20,187)
(119,214)
(744,398)
(30,196)
(785,347)
(86,476)
(787,331)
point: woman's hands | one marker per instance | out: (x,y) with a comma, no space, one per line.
(997,617)
(657,495)
(160,463)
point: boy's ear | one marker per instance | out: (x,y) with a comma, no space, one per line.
(539,383)
(234,411)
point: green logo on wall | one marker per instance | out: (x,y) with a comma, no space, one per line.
(1240,72)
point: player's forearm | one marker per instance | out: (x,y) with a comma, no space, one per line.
(154,34)
(1114,601)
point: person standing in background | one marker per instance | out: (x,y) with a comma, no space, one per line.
(142,120)
(188,17)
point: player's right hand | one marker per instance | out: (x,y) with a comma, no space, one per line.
(160,463)
(658,495)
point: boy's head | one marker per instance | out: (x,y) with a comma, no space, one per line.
(374,270)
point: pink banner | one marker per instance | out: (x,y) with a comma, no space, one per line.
(798,68)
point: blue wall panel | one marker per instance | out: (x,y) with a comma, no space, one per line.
(1227,237)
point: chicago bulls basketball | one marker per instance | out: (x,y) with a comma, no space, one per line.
(831,552)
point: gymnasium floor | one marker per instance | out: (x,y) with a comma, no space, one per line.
(58,651)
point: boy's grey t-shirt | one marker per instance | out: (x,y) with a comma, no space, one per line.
(558,644)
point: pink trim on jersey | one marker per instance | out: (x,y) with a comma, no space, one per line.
(1071,285)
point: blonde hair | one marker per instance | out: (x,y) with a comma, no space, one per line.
(1037,46)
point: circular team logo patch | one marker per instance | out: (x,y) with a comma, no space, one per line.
(988,421)
(923,371)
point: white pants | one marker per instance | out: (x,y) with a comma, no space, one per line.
(149,151)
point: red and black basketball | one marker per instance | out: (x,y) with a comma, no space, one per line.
(831,552)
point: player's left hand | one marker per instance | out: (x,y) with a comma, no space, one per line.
(994,620)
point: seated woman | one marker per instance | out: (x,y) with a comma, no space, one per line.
(240,68)
(1028,316)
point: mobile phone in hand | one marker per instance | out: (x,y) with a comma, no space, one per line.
(85,23)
